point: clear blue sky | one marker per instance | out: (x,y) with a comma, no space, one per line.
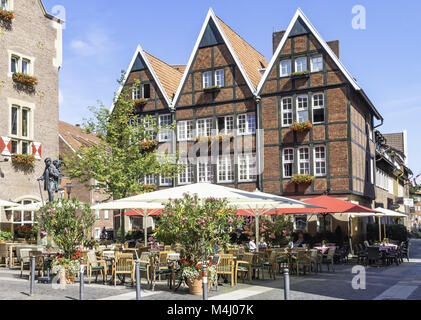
(101,36)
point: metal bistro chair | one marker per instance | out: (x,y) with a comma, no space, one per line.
(272,264)
(329,258)
(374,255)
(316,260)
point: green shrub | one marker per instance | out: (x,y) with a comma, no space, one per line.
(6,236)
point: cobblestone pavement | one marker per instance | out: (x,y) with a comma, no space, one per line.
(393,282)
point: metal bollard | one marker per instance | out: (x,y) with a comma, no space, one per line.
(286,284)
(205,283)
(137,281)
(32,284)
(82,280)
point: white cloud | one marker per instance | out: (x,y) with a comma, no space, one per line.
(96,41)
(60,97)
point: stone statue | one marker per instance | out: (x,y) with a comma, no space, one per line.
(51,178)
(58,164)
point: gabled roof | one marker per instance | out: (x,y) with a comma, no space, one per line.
(166,77)
(75,137)
(298,25)
(248,60)
(49,16)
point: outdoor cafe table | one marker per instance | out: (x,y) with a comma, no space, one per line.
(387,247)
(325,249)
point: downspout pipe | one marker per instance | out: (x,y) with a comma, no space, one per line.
(259,146)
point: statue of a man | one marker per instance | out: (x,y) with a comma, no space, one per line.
(58,164)
(50,178)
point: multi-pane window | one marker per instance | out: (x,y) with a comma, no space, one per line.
(150,179)
(225,170)
(204,170)
(316,63)
(149,125)
(301,64)
(23,218)
(247,168)
(226,124)
(165,132)
(287,112)
(185,130)
(20,129)
(320,161)
(204,127)
(302,108)
(246,124)
(285,68)
(4,4)
(19,64)
(318,108)
(207,79)
(288,160)
(141,91)
(220,78)
(164,180)
(304,161)
(187,176)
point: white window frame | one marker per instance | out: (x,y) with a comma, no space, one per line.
(285,64)
(165,181)
(318,160)
(249,122)
(20,57)
(249,159)
(313,64)
(225,170)
(207,79)
(318,107)
(220,78)
(206,130)
(150,179)
(187,174)
(187,127)
(300,108)
(22,213)
(164,133)
(136,93)
(287,111)
(97,233)
(300,63)
(303,161)
(288,161)
(227,120)
(204,170)
(18,137)
(4,4)
(106,215)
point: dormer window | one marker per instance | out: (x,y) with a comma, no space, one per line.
(142,91)
(316,63)
(285,68)
(207,79)
(220,78)
(301,64)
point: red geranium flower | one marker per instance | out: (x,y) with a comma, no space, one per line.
(210,264)
(59,260)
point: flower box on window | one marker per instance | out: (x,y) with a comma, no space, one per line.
(6,16)
(302,74)
(211,89)
(302,179)
(23,159)
(140,102)
(301,126)
(25,79)
(148,145)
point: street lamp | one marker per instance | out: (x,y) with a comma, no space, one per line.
(69,187)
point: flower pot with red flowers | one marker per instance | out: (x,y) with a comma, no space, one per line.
(25,79)
(67,269)
(6,16)
(148,145)
(302,179)
(23,159)
(301,126)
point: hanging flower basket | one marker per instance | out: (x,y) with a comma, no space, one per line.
(25,79)
(23,159)
(6,16)
(302,74)
(302,179)
(140,103)
(148,145)
(211,89)
(301,126)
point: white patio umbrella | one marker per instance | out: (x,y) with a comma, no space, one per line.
(389,213)
(255,204)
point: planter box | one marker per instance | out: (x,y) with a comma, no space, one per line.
(212,89)
(300,75)
(25,79)
(6,16)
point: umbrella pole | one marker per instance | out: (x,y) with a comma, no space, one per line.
(380,228)
(384,227)
(257,231)
(145,231)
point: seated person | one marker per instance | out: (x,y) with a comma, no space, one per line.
(300,241)
(252,245)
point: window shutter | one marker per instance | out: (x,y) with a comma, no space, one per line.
(37,150)
(5,146)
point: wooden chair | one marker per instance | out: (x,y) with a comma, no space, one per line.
(316,260)
(302,262)
(145,264)
(124,265)
(245,267)
(226,266)
(4,255)
(329,258)
(259,264)
(158,269)
(95,265)
(272,264)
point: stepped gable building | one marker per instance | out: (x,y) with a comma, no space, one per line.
(30,60)
(318,122)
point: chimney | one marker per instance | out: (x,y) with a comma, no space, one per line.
(334,45)
(276,39)
(77,125)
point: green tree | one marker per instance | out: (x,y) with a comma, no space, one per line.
(125,153)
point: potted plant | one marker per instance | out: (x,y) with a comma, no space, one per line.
(301,74)
(25,79)
(302,179)
(301,126)
(66,268)
(23,159)
(198,227)
(148,145)
(5,236)
(66,222)
(6,16)
(211,89)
